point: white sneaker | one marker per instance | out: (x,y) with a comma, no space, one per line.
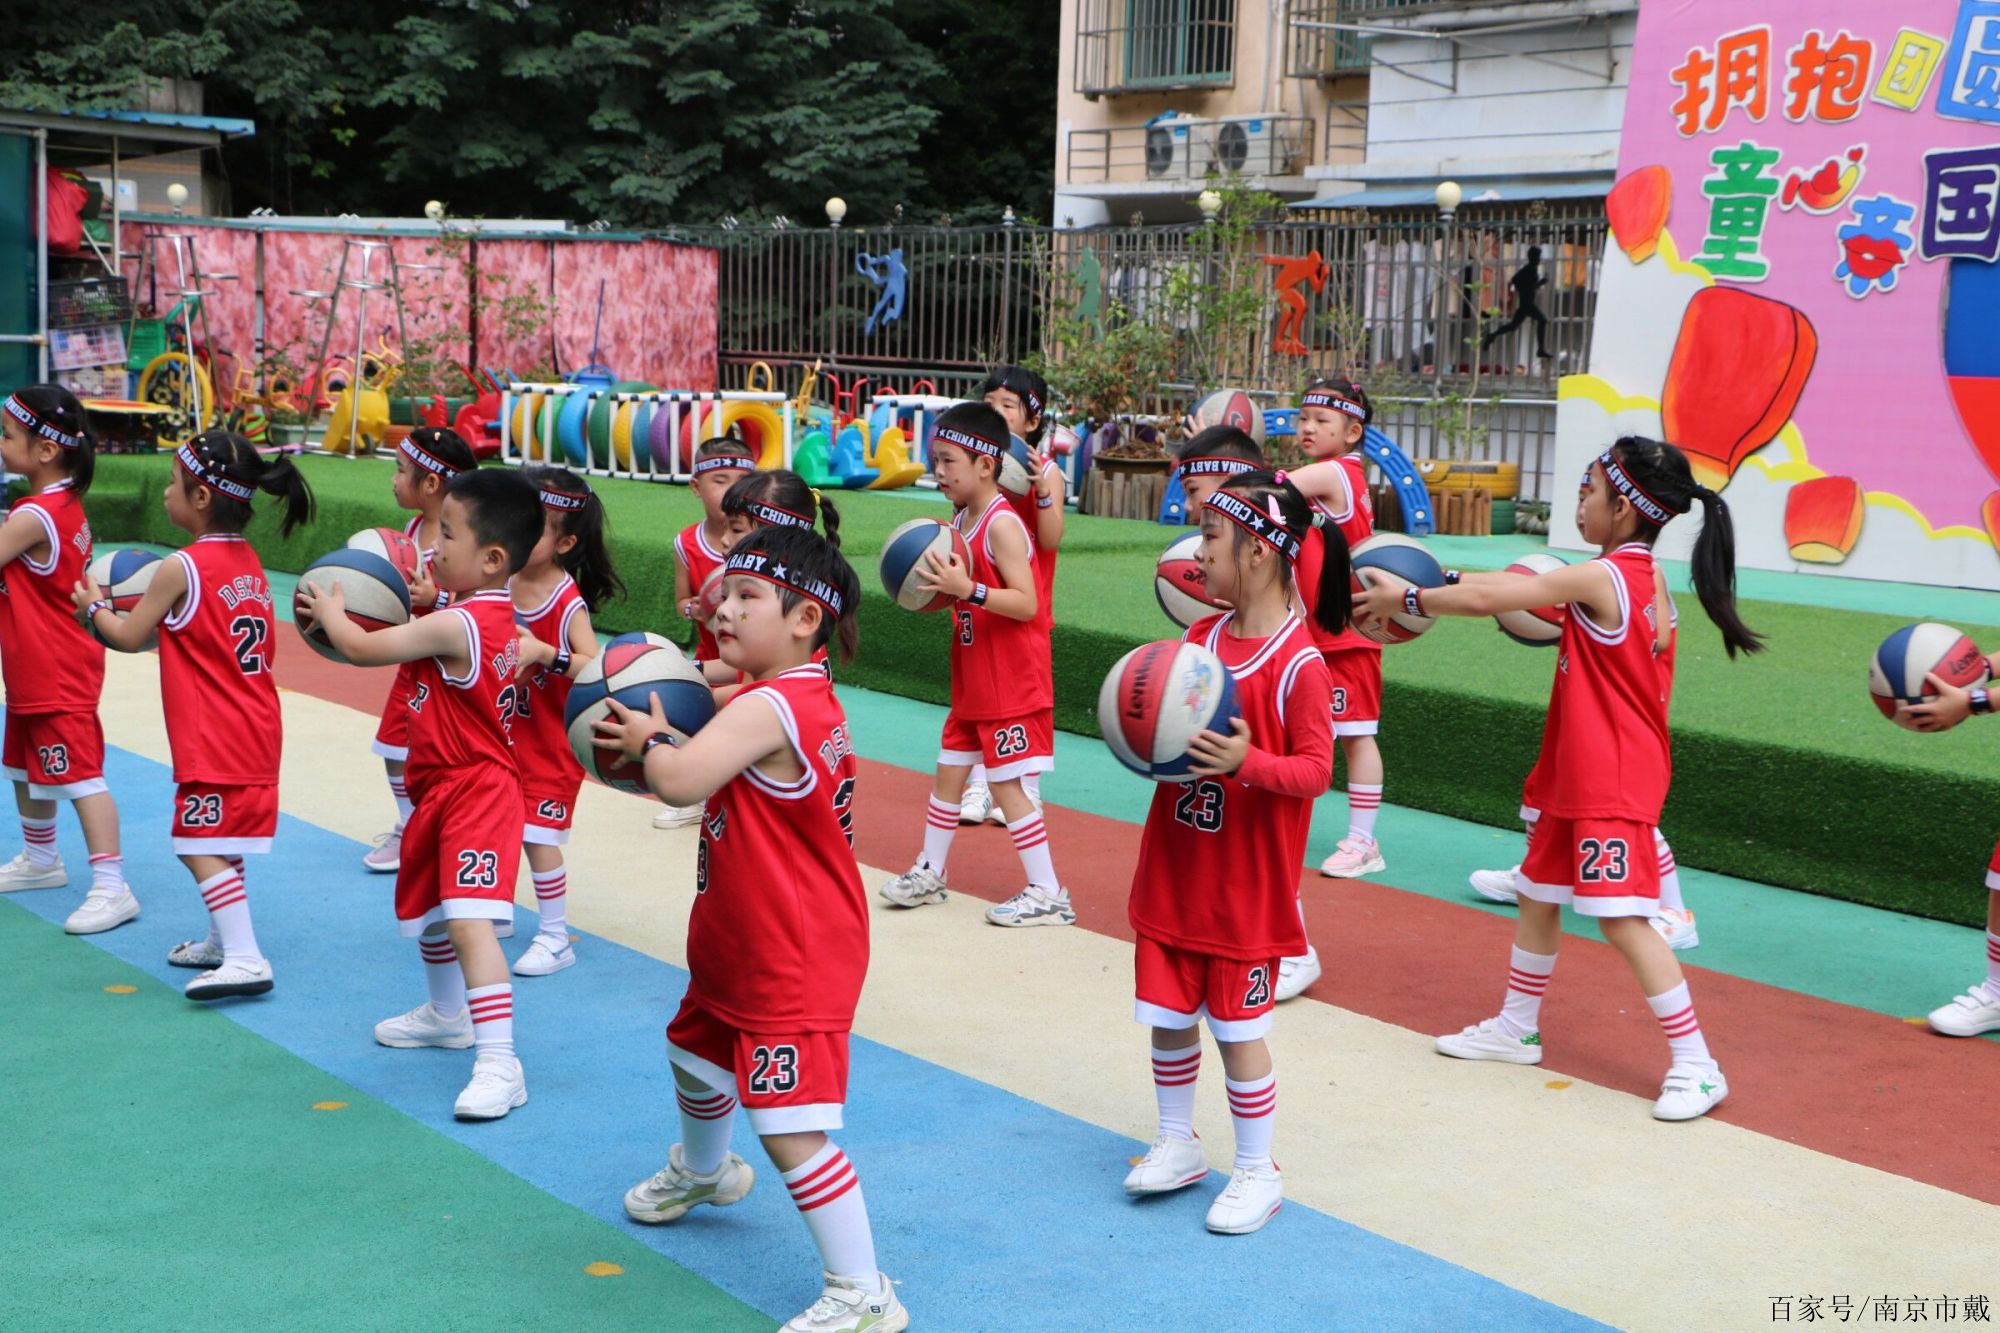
(677,816)
(102,910)
(1485,1041)
(1034,906)
(669,1193)
(845,1308)
(425,1026)
(1250,1199)
(1676,927)
(1690,1091)
(915,887)
(386,856)
(1496,886)
(975,806)
(199,954)
(498,1086)
(1352,858)
(21,873)
(1171,1163)
(546,954)
(503,929)
(1968,1015)
(1295,974)
(238,978)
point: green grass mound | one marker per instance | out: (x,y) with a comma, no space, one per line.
(1784,772)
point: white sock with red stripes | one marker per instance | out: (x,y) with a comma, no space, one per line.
(404,805)
(228,904)
(940,826)
(1364,802)
(492,1018)
(1251,1108)
(1527,980)
(38,840)
(1675,1010)
(1031,841)
(552,898)
(1174,1075)
(707,1119)
(1670,875)
(828,1195)
(442,974)
(1993,965)
(107,872)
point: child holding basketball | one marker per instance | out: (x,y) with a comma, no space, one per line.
(217,629)
(462,845)
(53,671)
(1001,696)
(567,575)
(427,460)
(1215,894)
(778,938)
(1604,766)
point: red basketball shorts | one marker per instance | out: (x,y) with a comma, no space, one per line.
(392,736)
(211,820)
(1993,870)
(1602,867)
(461,851)
(1178,988)
(546,816)
(59,755)
(1009,747)
(1357,690)
(789,1082)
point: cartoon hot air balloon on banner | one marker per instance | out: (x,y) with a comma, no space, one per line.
(1739,365)
(1637,211)
(1823,519)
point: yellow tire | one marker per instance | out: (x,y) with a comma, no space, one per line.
(164,381)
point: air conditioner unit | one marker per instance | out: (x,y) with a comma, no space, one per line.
(1169,154)
(1253,146)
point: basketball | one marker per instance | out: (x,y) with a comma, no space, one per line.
(903,561)
(1896,672)
(1013,474)
(392,546)
(1179,584)
(1543,626)
(124,577)
(708,601)
(1227,407)
(376,592)
(1157,700)
(633,673)
(1402,562)
(645,638)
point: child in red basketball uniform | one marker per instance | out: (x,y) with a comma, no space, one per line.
(1001,686)
(1215,894)
(778,938)
(1019,395)
(568,573)
(462,845)
(427,460)
(54,672)
(699,548)
(1604,766)
(218,637)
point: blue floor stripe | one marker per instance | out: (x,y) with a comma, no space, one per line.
(993,1211)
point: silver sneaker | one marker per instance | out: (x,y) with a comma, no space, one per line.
(669,1193)
(21,873)
(237,978)
(1034,906)
(198,954)
(915,887)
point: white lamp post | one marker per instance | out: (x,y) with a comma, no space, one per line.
(177,195)
(836,209)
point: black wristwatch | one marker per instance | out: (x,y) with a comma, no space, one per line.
(1981,704)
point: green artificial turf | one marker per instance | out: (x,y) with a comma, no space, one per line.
(1784,771)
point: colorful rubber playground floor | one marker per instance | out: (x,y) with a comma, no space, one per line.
(263,1164)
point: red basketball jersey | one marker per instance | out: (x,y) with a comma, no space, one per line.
(1357,525)
(223,720)
(692,549)
(1605,750)
(1027,509)
(1220,859)
(49,662)
(778,939)
(541,742)
(399,692)
(463,722)
(1000,668)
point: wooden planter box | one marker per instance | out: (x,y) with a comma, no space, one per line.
(1126,487)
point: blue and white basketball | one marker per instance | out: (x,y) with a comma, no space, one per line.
(374,590)
(1401,562)
(1013,474)
(1157,700)
(645,638)
(1180,585)
(1541,627)
(903,561)
(634,674)
(1896,672)
(124,577)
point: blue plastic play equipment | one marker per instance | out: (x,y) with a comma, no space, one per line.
(1379,449)
(849,461)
